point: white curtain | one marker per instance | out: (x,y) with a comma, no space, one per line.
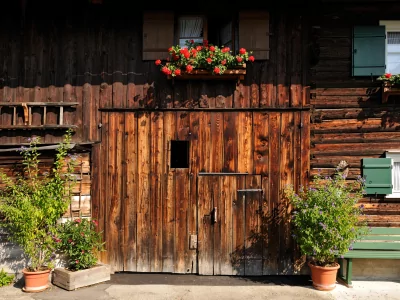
(191,27)
(393,52)
(396,177)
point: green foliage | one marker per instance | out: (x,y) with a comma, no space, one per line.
(326,217)
(391,79)
(81,242)
(35,200)
(5,279)
(202,56)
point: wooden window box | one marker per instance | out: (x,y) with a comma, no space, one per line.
(388,90)
(202,74)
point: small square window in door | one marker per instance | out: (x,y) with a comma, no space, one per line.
(179,154)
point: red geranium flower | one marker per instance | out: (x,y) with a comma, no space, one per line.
(212,48)
(242,51)
(388,75)
(217,70)
(189,68)
(239,59)
(158,62)
(251,58)
(177,72)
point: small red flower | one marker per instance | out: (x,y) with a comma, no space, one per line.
(165,70)
(223,62)
(83,251)
(198,48)
(212,48)
(205,42)
(77,261)
(70,241)
(157,62)
(170,49)
(217,70)
(388,75)
(175,57)
(209,60)
(242,51)
(184,50)
(186,54)
(251,58)
(189,68)
(225,49)
(95,222)
(82,234)
(177,72)
(239,59)
(77,220)
(192,41)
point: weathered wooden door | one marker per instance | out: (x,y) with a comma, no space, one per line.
(230,239)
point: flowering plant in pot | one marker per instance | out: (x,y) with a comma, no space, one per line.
(202,56)
(81,242)
(31,203)
(326,222)
(389,79)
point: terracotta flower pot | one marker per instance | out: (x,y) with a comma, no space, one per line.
(36,281)
(323,278)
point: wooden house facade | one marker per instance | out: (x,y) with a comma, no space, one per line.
(185,176)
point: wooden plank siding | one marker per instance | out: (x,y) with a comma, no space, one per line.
(152,220)
(128,111)
(349,121)
(95,59)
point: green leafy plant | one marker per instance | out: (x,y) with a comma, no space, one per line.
(326,218)
(202,56)
(5,279)
(32,202)
(81,242)
(389,78)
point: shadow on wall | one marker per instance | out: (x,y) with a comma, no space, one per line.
(12,258)
(269,246)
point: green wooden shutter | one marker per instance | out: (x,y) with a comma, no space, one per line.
(369,50)
(378,175)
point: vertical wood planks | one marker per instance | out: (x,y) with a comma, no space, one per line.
(286,178)
(228,195)
(238,239)
(271,263)
(143,201)
(150,209)
(156,164)
(131,187)
(217,141)
(230,142)
(205,238)
(194,168)
(168,192)
(245,142)
(181,201)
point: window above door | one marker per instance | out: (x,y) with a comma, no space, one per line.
(163,29)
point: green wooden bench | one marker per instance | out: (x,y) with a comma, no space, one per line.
(380,243)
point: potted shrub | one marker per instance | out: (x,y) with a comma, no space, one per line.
(202,59)
(80,242)
(326,222)
(31,203)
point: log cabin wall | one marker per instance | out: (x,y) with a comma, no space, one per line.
(349,120)
(91,59)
